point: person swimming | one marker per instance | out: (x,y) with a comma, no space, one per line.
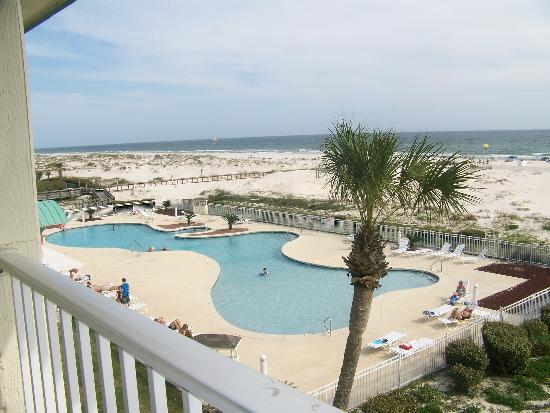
(264,272)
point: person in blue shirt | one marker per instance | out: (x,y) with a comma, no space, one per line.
(124,289)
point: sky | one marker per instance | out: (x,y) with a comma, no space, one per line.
(120,71)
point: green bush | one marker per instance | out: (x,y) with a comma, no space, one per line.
(426,394)
(511,226)
(507,347)
(430,408)
(535,329)
(528,389)
(496,396)
(466,379)
(473,232)
(545,315)
(539,369)
(472,408)
(540,346)
(467,353)
(50,185)
(397,401)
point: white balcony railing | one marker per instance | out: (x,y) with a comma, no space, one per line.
(51,310)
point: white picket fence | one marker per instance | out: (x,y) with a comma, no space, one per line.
(496,248)
(398,371)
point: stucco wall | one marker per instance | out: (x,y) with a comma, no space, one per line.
(18,218)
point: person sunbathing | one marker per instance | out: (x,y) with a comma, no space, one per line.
(161,320)
(100,288)
(176,325)
(459,315)
(185,331)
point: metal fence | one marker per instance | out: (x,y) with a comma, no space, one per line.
(496,248)
(398,371)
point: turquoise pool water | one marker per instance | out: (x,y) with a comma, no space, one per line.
(294,298)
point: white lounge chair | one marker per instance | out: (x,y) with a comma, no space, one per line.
(470,258)
(476,313)
(438,311)
(387,340)
(417,252)
(456,253)
(444,250)
(402,247)
(415,345)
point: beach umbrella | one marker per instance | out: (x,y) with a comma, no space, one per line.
(475,294)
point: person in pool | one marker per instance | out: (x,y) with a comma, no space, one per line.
(265,272)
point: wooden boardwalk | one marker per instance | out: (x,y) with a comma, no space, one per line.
(189,180)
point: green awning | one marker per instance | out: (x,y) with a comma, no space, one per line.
(50,213)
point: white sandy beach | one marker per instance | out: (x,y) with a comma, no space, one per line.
(508,193)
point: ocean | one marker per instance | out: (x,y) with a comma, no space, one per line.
(530,144)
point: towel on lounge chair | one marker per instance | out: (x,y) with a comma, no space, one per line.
(386,340)
(413,346)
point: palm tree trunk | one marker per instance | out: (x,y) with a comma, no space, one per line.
(358,319)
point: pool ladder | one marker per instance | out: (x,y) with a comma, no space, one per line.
(143,249)
(329,327)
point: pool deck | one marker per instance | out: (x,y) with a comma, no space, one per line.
(177,284)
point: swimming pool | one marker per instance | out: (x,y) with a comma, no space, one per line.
(294,298)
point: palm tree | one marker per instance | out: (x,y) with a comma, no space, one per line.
(90,213)
(189,215)
(231,219)
(371,171)
(59,168)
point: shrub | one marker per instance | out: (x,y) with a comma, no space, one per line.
(511,226)
(472,408)
(541,346)
(535,329)
(473,232)
(467,353)
(539,369)
(507,347)
(426,394)
(430,408)
(528,389)
(397,401)
(499,397)
(466,379)
(545,315)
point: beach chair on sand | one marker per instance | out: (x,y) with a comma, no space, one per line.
(402,247)
(438,311)
(411,347)
(387,340)
(444,250)
(472,259)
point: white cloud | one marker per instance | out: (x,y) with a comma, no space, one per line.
(427,64)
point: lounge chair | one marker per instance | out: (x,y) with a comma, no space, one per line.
(456,253)
(402,247)
(417,252)
(415,345)
(387,340)
(476,314)
(438,311)
(444,250)
(469,259)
